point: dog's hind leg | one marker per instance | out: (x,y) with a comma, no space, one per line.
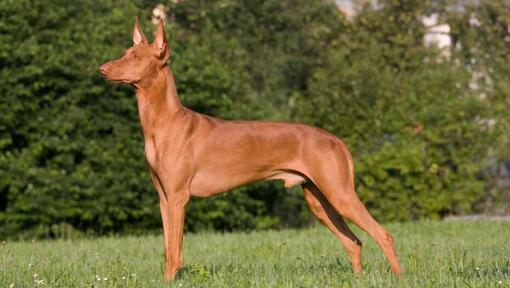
(354,210)
(332,173)
(323,210)
(343,198)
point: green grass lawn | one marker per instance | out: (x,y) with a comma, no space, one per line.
(433,254)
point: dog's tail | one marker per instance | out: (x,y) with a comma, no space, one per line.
(350,162)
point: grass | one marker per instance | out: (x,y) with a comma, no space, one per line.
(433,254)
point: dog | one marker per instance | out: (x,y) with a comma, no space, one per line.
(193,155)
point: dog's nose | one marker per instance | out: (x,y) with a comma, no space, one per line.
(104,69)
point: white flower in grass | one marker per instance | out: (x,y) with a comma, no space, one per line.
(29,265)
(123,277)
(98,278)
(477,268)
(105,279)
(500,282)
(36,275)
(12,285)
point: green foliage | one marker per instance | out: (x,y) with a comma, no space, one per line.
(71,150)
(417,127)
(70,142)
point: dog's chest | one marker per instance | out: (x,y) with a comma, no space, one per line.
(150,154)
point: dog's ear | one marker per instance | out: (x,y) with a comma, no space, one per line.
(138,36)
(160,43)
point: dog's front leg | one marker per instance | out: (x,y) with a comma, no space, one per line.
(176,205)
(163,207)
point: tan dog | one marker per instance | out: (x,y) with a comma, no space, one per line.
(191,154)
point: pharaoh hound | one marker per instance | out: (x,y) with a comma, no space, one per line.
(194,155)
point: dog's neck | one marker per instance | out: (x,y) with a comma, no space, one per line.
(158,100)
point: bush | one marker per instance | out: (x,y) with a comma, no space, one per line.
(70,144)
(417,128)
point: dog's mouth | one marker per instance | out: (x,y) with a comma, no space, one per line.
(122,81)
(107,75)
(118,80)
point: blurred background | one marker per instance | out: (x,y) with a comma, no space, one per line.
(419,90)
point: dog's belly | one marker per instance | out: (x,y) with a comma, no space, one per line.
(210,183)
(239,153)
(289,179)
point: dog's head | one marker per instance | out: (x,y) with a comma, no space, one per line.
(141,61)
